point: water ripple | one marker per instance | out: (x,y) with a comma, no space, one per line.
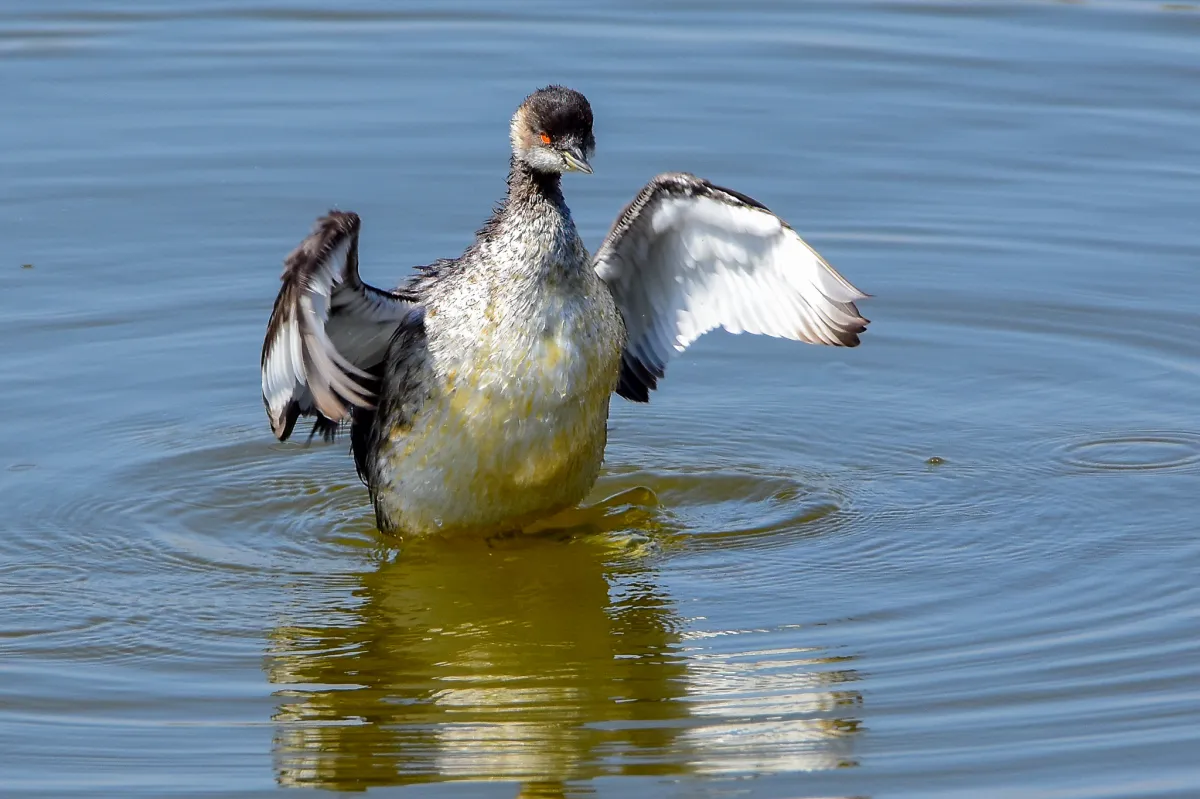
(1135,451)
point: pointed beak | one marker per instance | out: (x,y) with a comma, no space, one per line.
(576,162)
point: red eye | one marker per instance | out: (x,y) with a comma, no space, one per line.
(545,139)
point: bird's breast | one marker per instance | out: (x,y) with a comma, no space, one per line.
(517,423)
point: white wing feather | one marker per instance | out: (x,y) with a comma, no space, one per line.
(327,329)
(687,257)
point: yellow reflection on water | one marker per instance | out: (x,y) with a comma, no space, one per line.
(545,660)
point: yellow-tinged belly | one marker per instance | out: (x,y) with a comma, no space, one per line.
(515,430)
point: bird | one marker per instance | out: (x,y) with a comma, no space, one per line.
(477,392)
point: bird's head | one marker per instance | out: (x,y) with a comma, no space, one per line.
(552,131)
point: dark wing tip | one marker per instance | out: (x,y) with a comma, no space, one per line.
(283,424)
(637,379)
(328,233)
(324,427)
(634,392)
(346,222)
(848,336)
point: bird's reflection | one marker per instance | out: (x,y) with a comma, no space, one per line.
(535,659)
(507,658)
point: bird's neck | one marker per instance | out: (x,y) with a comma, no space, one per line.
(531,238)
(531,187)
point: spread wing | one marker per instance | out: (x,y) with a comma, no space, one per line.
(327,331)
(686,257)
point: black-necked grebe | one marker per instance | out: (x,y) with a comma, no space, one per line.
(478,392)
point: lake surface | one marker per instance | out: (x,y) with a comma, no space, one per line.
(961,560)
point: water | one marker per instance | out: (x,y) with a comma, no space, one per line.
(959,560)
